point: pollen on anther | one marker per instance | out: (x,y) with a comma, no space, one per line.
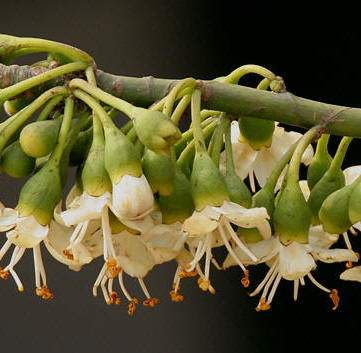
(4,274)
(112,268)
(132,306)
(262,305)
(204,285)
(245,280)
(176,297)
(152,302)
(335,298)
(115,298)
(68,254)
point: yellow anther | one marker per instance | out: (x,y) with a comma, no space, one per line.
(112,268)
(204,285)
(44,292)
(21,289)
(4,274)
(262,305)
(176,297)
(114,298)
(335,298)
(152,302)
(183,273)
(132,306)
(68,254)
(349,264)
(245,280)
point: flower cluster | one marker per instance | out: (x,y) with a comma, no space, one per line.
(145,193)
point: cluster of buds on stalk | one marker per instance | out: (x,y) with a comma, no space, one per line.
(147,193)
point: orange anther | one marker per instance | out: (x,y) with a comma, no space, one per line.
(132,306)
(335,298)
(68,254)
(349,264)
(152,302)
(204,285)
(358,255)
(112,268)
(176,297)
(4,274)
(114,298)
(262,305)
(183,273)
(245,280)
(44,292)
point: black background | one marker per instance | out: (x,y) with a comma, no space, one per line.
(175,39)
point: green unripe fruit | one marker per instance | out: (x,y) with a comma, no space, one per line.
(159,171)
(249,235)
(334,214)
(354,208)
(256,132)
(178,206)
(15,162)
(81,147)
(38,139)
(155,130)
(237,190)
(207,185)
(320,163)
(292,217)
(331,181)
(41,193)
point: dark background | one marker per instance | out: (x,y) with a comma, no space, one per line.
(176,39)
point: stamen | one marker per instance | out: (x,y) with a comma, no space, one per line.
(104,290)
(176,297)
(44,292)
(98,280)
(132,306)
(245,280)
(68,254)
(113,269)
(183,273)
(262,305)
(239,242)
(201,248)
(114,298)
(149,301)
(268,275)
(216,264)
(349,264)
(203,284)
(295,289)
(122,286)
(107,234)
(200,272)
(208,261)
(302,281)
(317,284)
(75,232)
(335,298)
(274,288)
(347,241)
(5,249)
(353,231)
(4,274)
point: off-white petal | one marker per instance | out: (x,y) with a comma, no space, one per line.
(333,255)
(27,233)
(295,261)
(8,218)
(352,274)
(352,173)
(132,198)
(73,194)
(184,257)
(317,237)
(199,224)
(305,189)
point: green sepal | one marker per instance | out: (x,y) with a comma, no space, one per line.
(256,132)
(265,198)
(320,163)
(121,157)
(38,139)
(334,212)
(237,190)
(41,193)
(354,208)
(291,217)
(155,130)
(178,206)
(81,147)
(159,171)
(15,162)
(331,181)
(207,184)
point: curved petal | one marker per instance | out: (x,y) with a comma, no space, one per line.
(352,173)
(333,255)
(199,224)
(8,218)
(317,237)
(352,274)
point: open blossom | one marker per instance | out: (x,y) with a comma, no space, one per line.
(293,262)
(23,233)
(212,227)
(260,163)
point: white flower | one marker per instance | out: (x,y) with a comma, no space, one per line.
(132,198)
(249,162)
(293,263)
(23,233)
(212,227)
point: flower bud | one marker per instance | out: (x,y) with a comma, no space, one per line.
(159,171)
(15,162)
(207,185)
(81,147)
(256,132)
(292,217)
(15,105)
(331,181)
(155,130)
(237,190)
(38,139)
(354,208)
(178,206)
(334,212)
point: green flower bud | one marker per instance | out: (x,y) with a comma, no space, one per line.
(38,139)
(334,212)
(155,130)
(81,147)
(15,105)
(159,171)
(15,162)
(8,44)
(256,132)
(237,190)
(331,181)
(292,217)
(354,208)
(41,193)
(249,235)
(207,185)
(320,163)
(179,205)
(120,157)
